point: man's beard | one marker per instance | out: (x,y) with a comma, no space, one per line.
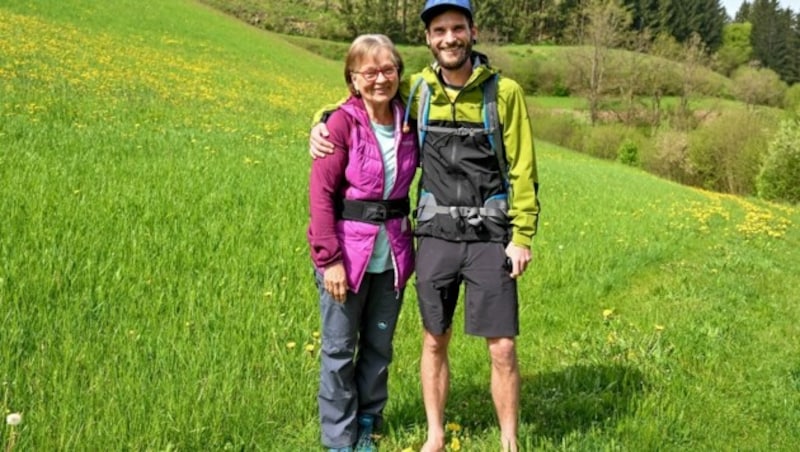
(456,64)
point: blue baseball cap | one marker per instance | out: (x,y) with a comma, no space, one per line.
(435,7)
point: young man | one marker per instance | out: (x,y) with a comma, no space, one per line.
(474,223)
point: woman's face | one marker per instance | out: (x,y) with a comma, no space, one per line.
(376,78)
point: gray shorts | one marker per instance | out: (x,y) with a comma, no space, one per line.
(491,302)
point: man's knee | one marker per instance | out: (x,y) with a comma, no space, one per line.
(436,343)
(503,352)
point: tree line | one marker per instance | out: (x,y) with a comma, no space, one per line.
(774,37)
(537,21)
(773,41)
(761,35)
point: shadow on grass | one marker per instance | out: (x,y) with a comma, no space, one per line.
(578,398)
(553,404)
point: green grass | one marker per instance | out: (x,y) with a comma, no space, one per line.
(156,290)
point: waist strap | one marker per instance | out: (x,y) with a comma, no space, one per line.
(374,212)
(473,215)
(458,131)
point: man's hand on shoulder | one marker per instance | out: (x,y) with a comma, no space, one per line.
(319,145)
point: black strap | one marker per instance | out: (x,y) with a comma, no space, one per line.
(374,212)
(490,101)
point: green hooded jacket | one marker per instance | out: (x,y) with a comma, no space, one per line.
(466,109)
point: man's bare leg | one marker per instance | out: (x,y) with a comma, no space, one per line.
(505,389)
(435,377)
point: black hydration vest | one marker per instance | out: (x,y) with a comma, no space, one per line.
(464,187)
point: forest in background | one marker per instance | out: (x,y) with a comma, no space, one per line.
(761,35)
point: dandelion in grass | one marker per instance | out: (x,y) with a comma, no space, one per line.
(310,348)
(455,444)
(659,328)
(291,345)
(14,419)
(607,313)
(453,427)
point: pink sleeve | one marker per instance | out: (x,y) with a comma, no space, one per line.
(326,185)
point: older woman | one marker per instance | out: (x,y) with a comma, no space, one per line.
(361,243)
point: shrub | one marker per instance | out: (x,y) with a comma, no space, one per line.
(791,99)
(628,153)
(603,140)
(551,79)
(758,86)
(725,153)
(668,157)
(779,176)
(560,129)
(559,88)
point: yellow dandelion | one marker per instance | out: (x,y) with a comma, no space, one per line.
(659,327)
(291,345)
(408,449)
(315,334)
(309,348)
(455,444)
(607,313)
(453,427)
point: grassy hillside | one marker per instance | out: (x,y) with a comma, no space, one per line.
(156,290)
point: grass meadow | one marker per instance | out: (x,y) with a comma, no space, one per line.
(156,291)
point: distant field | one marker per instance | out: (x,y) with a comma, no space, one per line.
(156,290)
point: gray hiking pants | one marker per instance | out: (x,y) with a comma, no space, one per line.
(355,355)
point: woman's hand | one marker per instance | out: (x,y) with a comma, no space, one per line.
(335,280)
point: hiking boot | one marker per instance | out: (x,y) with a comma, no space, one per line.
(365,424)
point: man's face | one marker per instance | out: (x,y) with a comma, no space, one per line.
(449,37)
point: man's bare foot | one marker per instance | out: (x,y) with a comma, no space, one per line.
(432,446)
(509,445)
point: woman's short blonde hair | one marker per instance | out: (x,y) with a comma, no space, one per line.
(368,45)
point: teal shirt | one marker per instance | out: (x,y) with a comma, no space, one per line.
(381,259)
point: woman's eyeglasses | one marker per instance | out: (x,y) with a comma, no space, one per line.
(371,75)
